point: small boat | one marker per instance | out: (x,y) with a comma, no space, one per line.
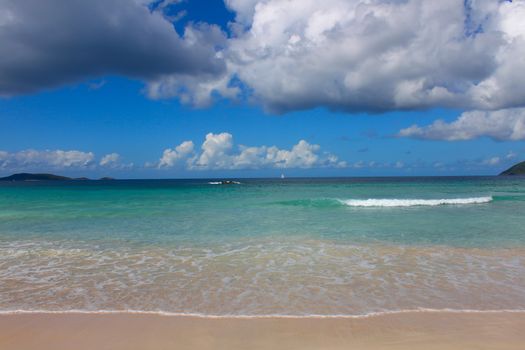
(282,176)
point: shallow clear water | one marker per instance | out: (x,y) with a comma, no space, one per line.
(293,246)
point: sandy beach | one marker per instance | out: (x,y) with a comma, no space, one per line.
(411,330)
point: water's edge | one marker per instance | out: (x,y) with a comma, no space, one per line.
(278,316)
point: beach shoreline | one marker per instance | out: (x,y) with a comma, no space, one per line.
(401,330)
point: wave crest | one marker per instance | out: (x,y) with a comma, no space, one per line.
(413,202)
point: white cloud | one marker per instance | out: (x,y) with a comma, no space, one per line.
(54,159)
(109,159)
(195,91)
(171,156)
(508,124)
(113,161)
(351,55)
(217,152)
(379,55)
(51,160)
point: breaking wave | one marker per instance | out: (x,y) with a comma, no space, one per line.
(384,202)
(413,202)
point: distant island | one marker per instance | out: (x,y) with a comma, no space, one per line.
(45,177)
(518,169)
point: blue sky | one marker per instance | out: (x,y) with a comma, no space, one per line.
(67,123)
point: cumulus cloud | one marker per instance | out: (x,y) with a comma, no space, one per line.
(503,125)
(351,55)
(113,161)
(108,159)
(48,159)
(50,43)
(218,152)
(380,55)
(196,91)
(215,151)
(171,156)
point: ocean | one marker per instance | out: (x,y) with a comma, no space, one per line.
(291,247)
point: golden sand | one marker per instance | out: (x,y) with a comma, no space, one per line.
(411,330)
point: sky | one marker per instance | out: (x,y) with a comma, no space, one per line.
(260,88)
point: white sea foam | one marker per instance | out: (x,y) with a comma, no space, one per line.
(247,316)
(262,277)
(413,202)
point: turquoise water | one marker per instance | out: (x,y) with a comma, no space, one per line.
(293,246)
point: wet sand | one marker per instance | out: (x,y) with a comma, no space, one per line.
(409,330)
